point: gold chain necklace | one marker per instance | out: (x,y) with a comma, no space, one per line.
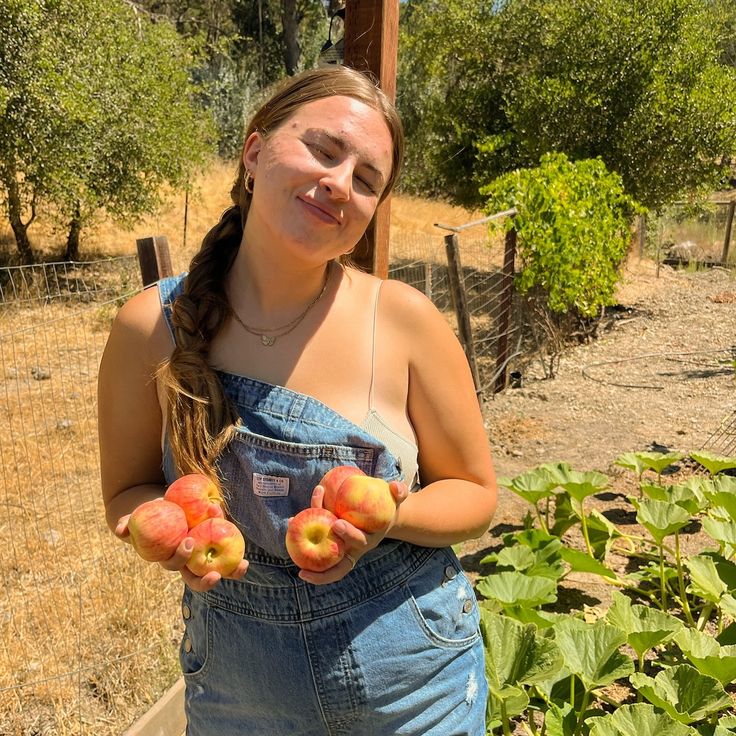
(269,335)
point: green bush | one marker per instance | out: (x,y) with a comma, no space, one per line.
(574,228)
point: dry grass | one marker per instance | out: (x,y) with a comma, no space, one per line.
(89,633)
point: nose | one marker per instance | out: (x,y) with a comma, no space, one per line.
(337,180)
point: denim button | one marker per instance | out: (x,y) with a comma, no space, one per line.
(467,606)
(187,645)
(186,611)
(450,572)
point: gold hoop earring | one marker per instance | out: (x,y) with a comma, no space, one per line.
(248,182)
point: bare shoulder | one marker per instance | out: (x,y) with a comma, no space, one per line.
(140,325)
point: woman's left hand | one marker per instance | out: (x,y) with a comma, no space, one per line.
(357,542)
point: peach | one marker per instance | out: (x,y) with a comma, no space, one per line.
(198,496)
(218,546)
(156,528)
(332,480)
(310,541)
(365,502)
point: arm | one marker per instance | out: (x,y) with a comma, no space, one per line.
(458,497)
(130,424)
(129,415)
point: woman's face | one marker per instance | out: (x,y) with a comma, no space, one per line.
(318,177)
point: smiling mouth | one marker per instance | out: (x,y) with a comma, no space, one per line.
(320,213)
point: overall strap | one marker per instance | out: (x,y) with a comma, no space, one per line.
(373,345)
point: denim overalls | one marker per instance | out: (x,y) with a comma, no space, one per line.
(392,648)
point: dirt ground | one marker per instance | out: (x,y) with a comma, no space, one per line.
(660,371)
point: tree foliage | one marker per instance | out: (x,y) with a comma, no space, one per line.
(97,111)
(643,86)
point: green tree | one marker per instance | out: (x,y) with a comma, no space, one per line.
(641,85)
(97,112)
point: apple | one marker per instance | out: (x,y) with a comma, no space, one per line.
(365,502)
(196,494)
(218,546)
(310,541)
(332,480)
(156,528)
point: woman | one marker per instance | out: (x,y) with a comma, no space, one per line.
(265,366)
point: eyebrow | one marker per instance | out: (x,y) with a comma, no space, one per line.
(340,143)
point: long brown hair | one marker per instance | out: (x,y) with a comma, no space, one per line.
(201,420)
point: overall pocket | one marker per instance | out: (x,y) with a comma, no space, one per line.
(443,602)
(195,650)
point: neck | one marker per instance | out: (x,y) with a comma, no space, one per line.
(271,293)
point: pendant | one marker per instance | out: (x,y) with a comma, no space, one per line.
(267,340)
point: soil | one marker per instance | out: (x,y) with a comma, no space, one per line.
(659,374)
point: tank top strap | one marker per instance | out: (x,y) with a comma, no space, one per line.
(373,345)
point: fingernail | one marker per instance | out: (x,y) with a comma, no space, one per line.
(188,547)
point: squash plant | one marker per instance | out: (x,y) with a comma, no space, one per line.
(662,658)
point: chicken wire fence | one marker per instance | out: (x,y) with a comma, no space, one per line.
(89,632)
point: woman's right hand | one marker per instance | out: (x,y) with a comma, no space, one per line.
(178,561)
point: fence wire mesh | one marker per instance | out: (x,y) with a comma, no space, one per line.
(82,647)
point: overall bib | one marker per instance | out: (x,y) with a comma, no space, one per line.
(392,648)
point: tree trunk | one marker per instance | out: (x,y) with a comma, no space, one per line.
(72,241)
(290,23)
(20,228)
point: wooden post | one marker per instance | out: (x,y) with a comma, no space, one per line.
(729,228)
(154,258)
(371,43)
(504,319)
(460,303)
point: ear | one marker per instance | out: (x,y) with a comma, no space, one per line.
(251,149)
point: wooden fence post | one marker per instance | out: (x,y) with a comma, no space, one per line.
(504,319)
(460,303)
(154,258)
(729,227)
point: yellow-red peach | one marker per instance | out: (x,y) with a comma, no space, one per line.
(156,528)
(198,496)
(365,502)
(310,541)
(332,480)
(219,546)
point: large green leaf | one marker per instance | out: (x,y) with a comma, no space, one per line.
(658,461)
(721,531)
(684,693)
(560,720)
(714,464)
(532,486)
(659,517)
(682,495)
(529,561)
(708,655)
(601,533)
(638,720)
(580,485)
(516,589)
(516,655)
(582,562)
(591,651)
(704,578)
(644,627)
(631,461)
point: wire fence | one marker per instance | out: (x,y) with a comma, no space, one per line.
(89,634)
(82,647)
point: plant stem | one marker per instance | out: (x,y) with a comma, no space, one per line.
(663,585)
(581,714)
(704,615)
(681,581)
(504,718)
(541,520)
(585,530)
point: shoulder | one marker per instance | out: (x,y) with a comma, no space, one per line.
(141,328)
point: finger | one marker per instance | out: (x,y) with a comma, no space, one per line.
(335,573)
(214,511)
(318,497)
(203,584)
(353,537)
(239,571)
(121,530)
(180,558)
(399,490)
